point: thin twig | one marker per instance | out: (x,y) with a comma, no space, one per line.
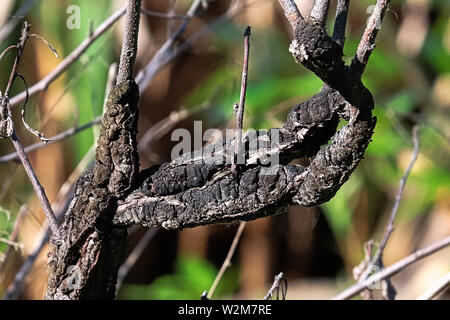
(393,269)
(134,256)
(162,15)
(238,152)
(437,287)
(58,137)
(43,84)
(163,126)
(25,123)
(367,43)
(279,282)
(340,22)
(52,48)
(390,225)
(227,261)
(320,11)
(40,192)
(144,77)
(7,50)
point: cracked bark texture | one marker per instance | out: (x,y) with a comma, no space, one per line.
(196,189)
(86,256)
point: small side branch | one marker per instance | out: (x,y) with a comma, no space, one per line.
(367,43)
(238,152)
(279,284)
(377,258)
(43,84)
(226,264)
(5,107)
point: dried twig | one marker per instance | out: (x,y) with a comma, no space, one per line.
(161,57)
(7,50)
(377,258)
(278,283)
(43,84)
(393,269)
(162,15)
(58,137)
(239,112)
(134,256)
(437,287)
(367,43)
(15,140)
(227,261)
(163,126)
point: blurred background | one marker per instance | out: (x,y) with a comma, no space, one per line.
(316,248)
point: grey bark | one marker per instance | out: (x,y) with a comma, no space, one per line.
(195,190)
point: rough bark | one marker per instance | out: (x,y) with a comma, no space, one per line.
(196,190)
(86,256)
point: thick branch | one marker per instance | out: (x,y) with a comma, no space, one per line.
(129,44)
(85,261)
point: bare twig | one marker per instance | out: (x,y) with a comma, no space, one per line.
(163,126)
(18,146)
(437,287)
(169,52)
(340,22)
(291,12)
(320,11)
(25,123)
(129,43)
(238,154)
(7,50)
(134,256)
(393,269)
(162,15)
(377,258)
(58,137)
(52,48)
(43,84)
(367,43)
(160,59)
(278,283)
(227,261)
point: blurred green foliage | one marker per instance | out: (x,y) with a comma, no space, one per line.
(86,78)
(193,275)
(6,224)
